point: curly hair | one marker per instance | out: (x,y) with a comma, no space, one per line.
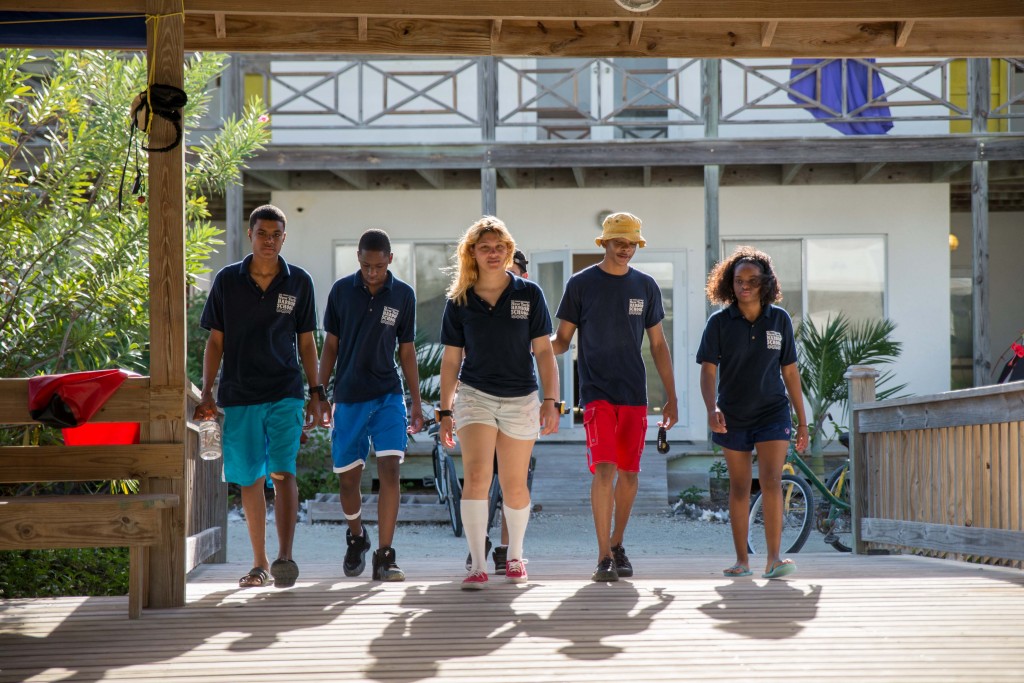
(719,288)
(464,273)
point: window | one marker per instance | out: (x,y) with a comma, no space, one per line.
(418,264)
(821,276)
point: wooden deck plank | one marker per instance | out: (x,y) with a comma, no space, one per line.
(896,618)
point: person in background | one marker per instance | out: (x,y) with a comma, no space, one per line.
(613,305)
(494,325)
(259,312)
(748,348)
(369,314)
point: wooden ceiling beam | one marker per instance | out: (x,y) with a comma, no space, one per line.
(903,29)
(582,10)
(301,34)
(768,29)
(635,29)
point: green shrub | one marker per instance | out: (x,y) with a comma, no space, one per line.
(64,571)
(692,495)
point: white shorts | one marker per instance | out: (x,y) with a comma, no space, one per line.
(518,417)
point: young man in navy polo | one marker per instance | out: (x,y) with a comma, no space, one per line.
(613,305)
(259,312)
(369,314)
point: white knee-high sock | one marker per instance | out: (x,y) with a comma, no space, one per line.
(517,521)
(474,522)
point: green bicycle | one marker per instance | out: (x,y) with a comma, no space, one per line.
(831,516)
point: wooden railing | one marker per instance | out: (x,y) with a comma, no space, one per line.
(939,474)
(191,526)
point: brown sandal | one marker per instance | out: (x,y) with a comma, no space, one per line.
(256,578)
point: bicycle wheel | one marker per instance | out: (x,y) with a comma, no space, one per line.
(454,496)
(797,502)
(840,536)
(493,502)
(437,455)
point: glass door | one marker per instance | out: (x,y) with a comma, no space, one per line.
(550,270)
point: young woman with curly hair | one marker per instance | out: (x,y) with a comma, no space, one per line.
(493,327)
(748,346)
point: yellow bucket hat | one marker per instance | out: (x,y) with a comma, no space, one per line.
(621,225)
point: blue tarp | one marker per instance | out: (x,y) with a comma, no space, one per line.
(115,31)
(804,79)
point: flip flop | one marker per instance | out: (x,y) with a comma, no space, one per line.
(779,570)
(736,570)
(284,572)
(256,578)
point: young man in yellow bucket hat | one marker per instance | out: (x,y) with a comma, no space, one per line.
(613,305)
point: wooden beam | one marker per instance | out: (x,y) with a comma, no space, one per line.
(864,172)
(903,29)
(26,464)
(768,29)
(696,152)
(789,172)
(275,180)
(496,30)
(362,29)
(357,179)
(1001,543)
(588,10)
(944,171)
(218,20)
(635,29)
(508,175)
(647,176)
(433,176)
(489,191)
(580,175)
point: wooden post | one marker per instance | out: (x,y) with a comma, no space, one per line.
(488,81)
(711,100)
(861,389)
(979,85)
(165,571)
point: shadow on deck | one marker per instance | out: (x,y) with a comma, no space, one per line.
(887,618)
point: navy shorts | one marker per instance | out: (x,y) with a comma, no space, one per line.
(744,440)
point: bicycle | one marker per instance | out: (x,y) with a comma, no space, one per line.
(831,516)
(446,479)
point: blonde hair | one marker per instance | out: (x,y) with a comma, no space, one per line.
(464,272)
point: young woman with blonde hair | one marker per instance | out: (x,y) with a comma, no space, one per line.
(494,325)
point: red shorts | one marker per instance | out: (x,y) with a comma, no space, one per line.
(615,434)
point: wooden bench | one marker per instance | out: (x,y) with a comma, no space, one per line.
(139,522)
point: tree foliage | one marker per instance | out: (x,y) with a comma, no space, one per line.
(74,281)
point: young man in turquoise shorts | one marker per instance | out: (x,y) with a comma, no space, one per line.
(258,313)
(369,314)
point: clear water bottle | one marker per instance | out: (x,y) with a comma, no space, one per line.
(209,434)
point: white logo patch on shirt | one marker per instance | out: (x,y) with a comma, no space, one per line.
(389,316)
(285,303)
(774,340)
(636,306)
(520,310)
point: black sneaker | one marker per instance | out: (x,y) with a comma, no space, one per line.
(622,565)
(487,549)
(605,571)
(355,556)
(385,568)
(500,556)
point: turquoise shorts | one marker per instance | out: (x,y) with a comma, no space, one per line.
(262,438)
(381,420)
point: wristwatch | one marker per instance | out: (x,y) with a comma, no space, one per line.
(439,414)
(559,405)
(318,391)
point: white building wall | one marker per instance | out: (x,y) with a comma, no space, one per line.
(913,218)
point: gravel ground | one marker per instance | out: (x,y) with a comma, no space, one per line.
(548,536)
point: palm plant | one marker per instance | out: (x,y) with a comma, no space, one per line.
(826,352)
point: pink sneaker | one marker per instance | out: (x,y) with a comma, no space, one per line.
(515,571)
(475,581)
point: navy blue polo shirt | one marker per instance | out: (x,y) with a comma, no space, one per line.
(750,357)
(611,313)
(369,328)
(260,363)
(497,340)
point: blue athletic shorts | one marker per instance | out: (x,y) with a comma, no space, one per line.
(260,439)
(745,439)
(381,421)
